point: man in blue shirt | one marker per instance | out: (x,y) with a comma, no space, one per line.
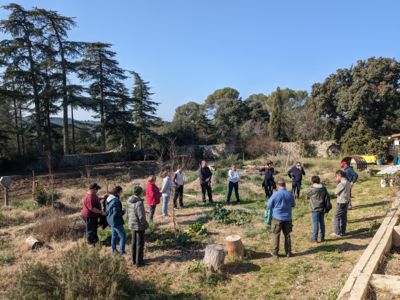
(281,203)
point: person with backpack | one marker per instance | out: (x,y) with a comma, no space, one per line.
(269,182)
(281,203)
(153,195)
(342,192)
(296,173)
(320,204)
(91,212)
(233,184)
(205,175)
(178,181)
(115,219)
(351,177)
(138,224)
(166,192)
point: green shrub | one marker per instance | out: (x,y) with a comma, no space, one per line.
(226,161)
(197,229)
(225,216)
(43,197)
(83,273)
(6,258)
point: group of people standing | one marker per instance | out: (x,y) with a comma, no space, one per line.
(280,204)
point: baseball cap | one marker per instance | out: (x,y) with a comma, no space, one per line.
(94,186)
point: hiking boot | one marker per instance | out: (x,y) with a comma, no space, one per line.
(335,235)
(289,254)
(313,241)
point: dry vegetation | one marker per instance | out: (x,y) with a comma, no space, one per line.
(174,268)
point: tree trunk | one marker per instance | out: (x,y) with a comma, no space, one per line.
(17,133)
(73,129)
(214,257)
(64,84)
(102,112)
(38,119)
(234,246)
(21,123)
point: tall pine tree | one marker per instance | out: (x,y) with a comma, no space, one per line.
(144,109)
(100,68)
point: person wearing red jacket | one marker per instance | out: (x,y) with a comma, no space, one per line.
(153,195)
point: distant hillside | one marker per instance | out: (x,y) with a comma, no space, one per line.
(78,123)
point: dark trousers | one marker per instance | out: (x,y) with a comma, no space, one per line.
(296,185)
(340,218)
(269,189)
(286,227)
(231,186)
(91,229)
(318,222)
(137,247)
(205,187)
(178,194)
(152,211)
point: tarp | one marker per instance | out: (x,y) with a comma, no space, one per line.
(390,170)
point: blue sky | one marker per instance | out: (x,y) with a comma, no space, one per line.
(187,49)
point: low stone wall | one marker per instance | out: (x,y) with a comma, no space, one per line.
(77,160)
(313,149)
(207,151)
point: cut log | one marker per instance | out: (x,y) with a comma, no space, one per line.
(33,242)
(214,257)
(234,246)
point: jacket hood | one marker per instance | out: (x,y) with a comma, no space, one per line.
(133,199)
(111,198)
(317,185)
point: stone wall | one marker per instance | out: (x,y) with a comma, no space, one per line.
(313,149)
(76,160)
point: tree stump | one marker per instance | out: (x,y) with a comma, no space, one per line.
(214,257)
(33,242)
(234,246)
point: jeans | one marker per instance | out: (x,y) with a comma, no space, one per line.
(286,227)
(231,186)
(137,247)
(152,211)
(165,200)
(340,218)
(120,231)
(205,187)
(178,194)
(269,188)
(318,221)
(296,185)
(91,229)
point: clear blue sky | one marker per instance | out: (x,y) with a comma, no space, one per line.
(187,49)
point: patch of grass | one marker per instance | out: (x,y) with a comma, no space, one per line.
(225,216)
(23,204)
(4,244)
(6,258)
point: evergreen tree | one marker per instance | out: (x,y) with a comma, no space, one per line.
(56,30)
(23,54)
(276,124)
(144,109)
(104,74)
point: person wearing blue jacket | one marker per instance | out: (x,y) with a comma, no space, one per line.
(269,182)
(296,173)
(281,203)
(115,215)
(351,177)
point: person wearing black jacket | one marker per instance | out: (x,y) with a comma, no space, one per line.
(296,173)
(269,181)
(205,181)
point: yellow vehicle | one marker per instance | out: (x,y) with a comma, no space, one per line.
(370,159)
